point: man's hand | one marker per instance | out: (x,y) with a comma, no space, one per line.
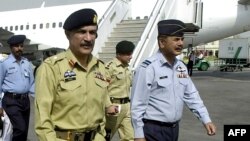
(1,112)
(211,129)
(112,110)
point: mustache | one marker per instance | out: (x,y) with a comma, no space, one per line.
(84,43)
(19,51)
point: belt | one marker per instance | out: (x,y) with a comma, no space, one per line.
(16,96)
(167,124)
(71,135)
(120,100)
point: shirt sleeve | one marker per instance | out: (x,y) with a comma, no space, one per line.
(195,103)
(32,82)
(139,100)
(45,88)
(1,82)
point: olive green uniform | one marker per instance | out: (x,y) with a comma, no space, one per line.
(70,97)
(120,83)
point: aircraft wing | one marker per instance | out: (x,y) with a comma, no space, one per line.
(244,2)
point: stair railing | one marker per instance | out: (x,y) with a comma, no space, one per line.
(117,11)
(148,42)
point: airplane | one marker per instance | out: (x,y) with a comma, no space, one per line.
(41,21)
(208,20)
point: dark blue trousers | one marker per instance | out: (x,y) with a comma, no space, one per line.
(18,110)
(159,132)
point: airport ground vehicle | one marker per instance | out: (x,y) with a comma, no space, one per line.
(201,65)
(234,54)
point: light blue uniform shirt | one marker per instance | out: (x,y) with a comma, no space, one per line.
(16,77)
(159,92)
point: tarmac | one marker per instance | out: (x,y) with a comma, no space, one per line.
(226,96)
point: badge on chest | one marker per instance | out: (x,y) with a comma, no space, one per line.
(69,76)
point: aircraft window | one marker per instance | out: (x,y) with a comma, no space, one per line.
(34,26)
(16,27)
(11,28)
(27,27)
(41,26)
(47,25)
(6,28)
(60,24)
(21,27)
(53,25)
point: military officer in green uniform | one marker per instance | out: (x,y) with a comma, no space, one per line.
(119,91)
(71,86)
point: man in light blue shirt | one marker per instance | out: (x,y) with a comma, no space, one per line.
(161,86)
(16,82)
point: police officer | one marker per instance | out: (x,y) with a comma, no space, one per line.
(119,91)
(161,86)
(16,82)
(71,87)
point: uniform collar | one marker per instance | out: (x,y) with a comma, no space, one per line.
(163,60)
(117,62)
(73,61)
(13,59)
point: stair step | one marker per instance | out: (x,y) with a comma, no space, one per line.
(130,25)
(144,21)
(126,34)
(108,49)
(118,39)
(130,30)
(113,44)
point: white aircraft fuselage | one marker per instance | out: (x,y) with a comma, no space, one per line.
(43,25)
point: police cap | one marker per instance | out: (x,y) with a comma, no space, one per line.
(16,39)
(171,27)
(125,47)
(80,18)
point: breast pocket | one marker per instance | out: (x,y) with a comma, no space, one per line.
(68,89)
(161,88)
(101,83)
(70,85)
(120,76)
(27,73)
(12,73)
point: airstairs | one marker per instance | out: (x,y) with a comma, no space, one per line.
(117,26)
(130,30)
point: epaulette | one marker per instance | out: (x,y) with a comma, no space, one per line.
(53,59)
(145,63)
(4,58)
(108,65)
(100,61)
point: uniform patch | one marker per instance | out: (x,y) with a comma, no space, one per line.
(69,76)
(163,77)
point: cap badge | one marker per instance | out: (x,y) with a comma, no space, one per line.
(95,19)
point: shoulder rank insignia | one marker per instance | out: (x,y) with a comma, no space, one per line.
(146,63)
(108,65)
